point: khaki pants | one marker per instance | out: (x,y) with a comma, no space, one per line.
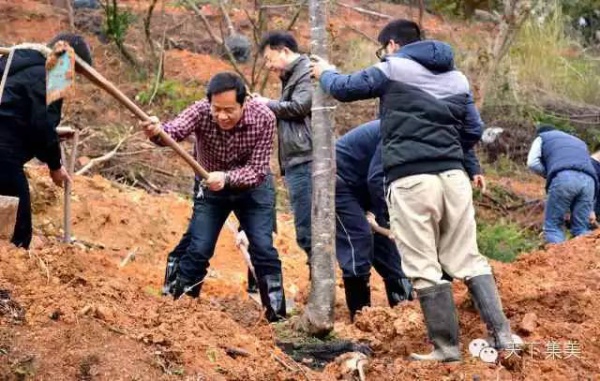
(433,220)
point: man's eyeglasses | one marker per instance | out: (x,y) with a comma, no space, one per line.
(381,52)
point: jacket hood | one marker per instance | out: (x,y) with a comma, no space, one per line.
(22,59)
(436,56)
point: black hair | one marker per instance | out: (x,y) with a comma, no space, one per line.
(226,81)
(544,127)
(278,40)
(400,31)
(77,42)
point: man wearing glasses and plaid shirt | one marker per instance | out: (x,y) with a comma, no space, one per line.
(234,137)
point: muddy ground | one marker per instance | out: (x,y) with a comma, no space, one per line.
(78,312)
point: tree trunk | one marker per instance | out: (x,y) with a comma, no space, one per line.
(317,319)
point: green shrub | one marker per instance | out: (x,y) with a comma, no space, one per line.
(172,95)
(545,59)
(117,22)
(504,241)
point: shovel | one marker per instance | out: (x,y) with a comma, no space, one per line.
(60,79)
(68,133)
(289,303)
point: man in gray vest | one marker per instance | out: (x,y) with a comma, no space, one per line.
(571,182)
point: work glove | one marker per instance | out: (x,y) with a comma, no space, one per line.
(241,239)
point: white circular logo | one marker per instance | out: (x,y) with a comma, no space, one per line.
(476,346)
(488,355)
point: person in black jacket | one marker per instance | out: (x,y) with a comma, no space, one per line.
(28,127)
(292,110)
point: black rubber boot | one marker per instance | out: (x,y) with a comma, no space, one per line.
(441,320)
(185,286)
(272,296)
(398,290)
(171,272)
(358,294)
(484,292)
(252,285)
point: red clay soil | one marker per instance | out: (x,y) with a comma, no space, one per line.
(84,317)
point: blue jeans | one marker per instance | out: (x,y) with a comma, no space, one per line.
(569,191)
(253,209)
(356,247)
(299,183)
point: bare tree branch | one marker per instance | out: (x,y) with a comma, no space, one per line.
(105,157)
(365,11)
(160,69)
(218,40)
(230,28)
(360,32)
(515,14)
(71,15)
(147,22)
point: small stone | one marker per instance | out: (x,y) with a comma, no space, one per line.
(529,323)
(85,310)
(103,313)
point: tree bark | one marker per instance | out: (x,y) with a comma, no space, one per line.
(317,319)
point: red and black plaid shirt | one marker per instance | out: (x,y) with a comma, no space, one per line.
(244,152)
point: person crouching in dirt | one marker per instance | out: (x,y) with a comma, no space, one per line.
(571,181)
(428,121)
(28,127)
(234,137)
(358,190)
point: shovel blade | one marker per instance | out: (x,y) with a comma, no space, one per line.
(60,72)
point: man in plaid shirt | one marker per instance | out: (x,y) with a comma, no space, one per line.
(234,137)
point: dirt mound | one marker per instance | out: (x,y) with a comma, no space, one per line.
(556,290)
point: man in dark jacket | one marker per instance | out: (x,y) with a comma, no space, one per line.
(428,119)
(571,182)
(359,189)
(292,110)
(28,128)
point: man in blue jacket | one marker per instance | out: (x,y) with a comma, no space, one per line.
(428,119)
(28,127)
(571,182)
(359,189)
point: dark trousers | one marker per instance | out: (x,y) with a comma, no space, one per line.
(357,248)
(299,183)
(13,182)
(253,209)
